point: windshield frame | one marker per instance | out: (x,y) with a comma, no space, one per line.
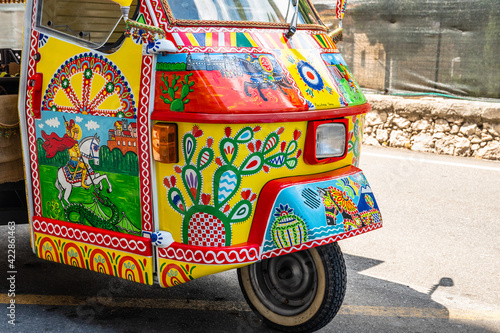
(248,24)
(107,47)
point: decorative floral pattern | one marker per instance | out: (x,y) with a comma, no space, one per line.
(114,96)
(310,76)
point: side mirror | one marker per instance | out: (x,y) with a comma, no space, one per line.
(124,6)
(293,22)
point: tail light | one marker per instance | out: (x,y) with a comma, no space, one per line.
(326,141)
(165,143)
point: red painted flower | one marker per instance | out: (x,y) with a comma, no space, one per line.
(283,146)
(197,132)
(205,198)
(296,135)
(258,144)
(166,183)
(246,194)
(251,147)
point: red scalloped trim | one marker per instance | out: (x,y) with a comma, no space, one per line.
(94,236)
(143,141)
(30,121)
(211,255)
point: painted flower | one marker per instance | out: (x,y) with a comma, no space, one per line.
(153,46)
(310,76)
(110,87)
(42,40)
(283,210)
(88,73)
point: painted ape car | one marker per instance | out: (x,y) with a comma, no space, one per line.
(168,140)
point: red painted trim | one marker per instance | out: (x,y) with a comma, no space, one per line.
(270,117)
(35,85)
(143,144)
(184,38)
(30,121)
(229,255)
(310,145)
(145,12)
(215,39)
(94,236)
(227,39)
(271,190)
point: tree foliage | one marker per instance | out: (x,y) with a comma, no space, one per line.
(115,161)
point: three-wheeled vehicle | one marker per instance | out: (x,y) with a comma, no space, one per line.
(165,140)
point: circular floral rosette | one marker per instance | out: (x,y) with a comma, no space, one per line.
(91,84)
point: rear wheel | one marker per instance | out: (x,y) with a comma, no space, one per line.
(298,292)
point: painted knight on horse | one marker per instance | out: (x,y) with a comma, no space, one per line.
(76,169)
(77,172)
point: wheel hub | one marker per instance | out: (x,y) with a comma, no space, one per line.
(287,284)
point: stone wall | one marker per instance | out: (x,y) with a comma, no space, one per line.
(437,125)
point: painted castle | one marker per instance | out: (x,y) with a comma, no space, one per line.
(123,136)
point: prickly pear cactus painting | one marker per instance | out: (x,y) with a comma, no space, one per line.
(208,220)
(176,103)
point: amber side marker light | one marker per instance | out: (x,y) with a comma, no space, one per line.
(165,143)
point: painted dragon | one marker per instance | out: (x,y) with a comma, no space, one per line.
(85,214)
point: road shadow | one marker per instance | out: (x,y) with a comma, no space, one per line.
(38,277)
(13,206)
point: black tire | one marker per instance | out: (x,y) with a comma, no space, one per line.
(298,292)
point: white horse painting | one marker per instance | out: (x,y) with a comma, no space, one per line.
(89,149)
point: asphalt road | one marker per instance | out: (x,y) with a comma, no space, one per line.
(433,267)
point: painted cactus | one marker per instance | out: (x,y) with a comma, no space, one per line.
(207,222)
(176,104)
(288,229)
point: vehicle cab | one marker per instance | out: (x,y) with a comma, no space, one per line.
(168,140)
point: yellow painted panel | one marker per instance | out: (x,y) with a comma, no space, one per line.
(190,196)
(173,273)
(55,52)
(99,259)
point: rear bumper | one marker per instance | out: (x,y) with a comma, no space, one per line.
(297,213)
